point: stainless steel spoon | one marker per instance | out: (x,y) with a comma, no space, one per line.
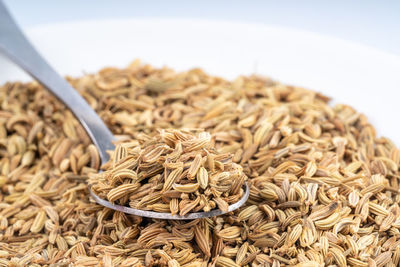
(14,44)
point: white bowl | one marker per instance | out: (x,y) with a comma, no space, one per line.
(363,77)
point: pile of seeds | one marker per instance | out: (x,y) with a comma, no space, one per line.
(176,172)
(324,187)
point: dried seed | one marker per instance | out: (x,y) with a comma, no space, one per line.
(187,188)
(121,191)
(39,221)
(172,178)
(194,167)
(202,177)
(225,262)
(202,241)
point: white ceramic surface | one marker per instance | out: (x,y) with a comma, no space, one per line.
(363,77)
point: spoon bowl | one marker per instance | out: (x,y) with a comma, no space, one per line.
(168,216)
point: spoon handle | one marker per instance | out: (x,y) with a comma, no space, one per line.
(16,46)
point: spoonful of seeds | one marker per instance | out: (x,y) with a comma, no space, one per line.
(174,175)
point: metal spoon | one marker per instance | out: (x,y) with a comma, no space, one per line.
(14,44)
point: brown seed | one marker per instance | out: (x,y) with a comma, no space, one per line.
(230,233)
(187,188)
(225,262)
(202,177)
(201,241)
(172,178)
(121,191)
(38,222)
(222,205)
(294,235)
(61,151)
(194,167)
(338,256)
(189,206)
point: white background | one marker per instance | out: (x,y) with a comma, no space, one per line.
(374,23)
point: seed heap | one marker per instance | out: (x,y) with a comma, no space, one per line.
(175,171)
(324,188)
